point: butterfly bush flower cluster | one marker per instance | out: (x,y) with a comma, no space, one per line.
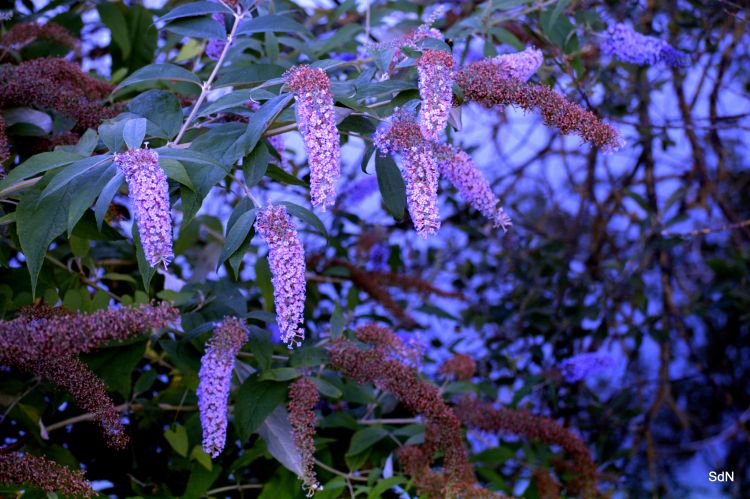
(22,34)
(215,380)
(627,45)
(286,257)
(303,397)
(520,65)
(460,367)
(582,365)
(317,123)
(149,191)
(403,136)
(458,167)
(25,469)
(46,341)
(435,70)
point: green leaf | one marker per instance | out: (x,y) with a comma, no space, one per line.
(259,341)
(255,164)
(272,23)
(86,189)
(279,374)
(39,163)
(384,485)
(198,27)
(194,9)
(238,232)
(133,132)
(248,75)
(178,439)
(111,134)
(147,272)
(164,71)
(365,438)
(391,185)
(176,171)
(337,322)
(279,175)
(237,98)
(79,169)
(256,399)
(115,365)
(262,118)
(326,388)
(277,432)
(306,216)
(369,150)
(162,110)
(106,196)
(114,19)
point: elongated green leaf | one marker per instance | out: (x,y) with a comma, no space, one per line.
(114,19)
(38,164)
(365,438)
(105,198)
(194,9)
(78,169)
(248,75)
(161,109)
(133,132)
(87,188)
(256,164)
(256,399)
(259,123)
(306,216)
(147,272)
(278,23)
(198,27)
(237,234)
(277,432)
(176,171)
(280,175)
(391,185)
(155,72)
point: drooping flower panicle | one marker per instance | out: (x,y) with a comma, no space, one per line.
(520,65)
(303,397)
(627,45)
(149,192)
(25,469)
(46,341)
(458,167)
(286,257)
(435,70)
(316,120)
(402,136)
(215,381)
(485,83)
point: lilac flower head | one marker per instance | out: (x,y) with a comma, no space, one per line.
(402,136)
(317,123)
(458,167)
(149,192)
(435,69)
(629,46)
(215,380)
(215,46)
(520,65)
(287,261)
(579,366)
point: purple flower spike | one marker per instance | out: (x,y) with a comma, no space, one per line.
(629,46)
(582,365)
(458,167)
(436,75)
(149,192)
(521,65)
(215,380)
(287,261)
(317,123)
(420,170)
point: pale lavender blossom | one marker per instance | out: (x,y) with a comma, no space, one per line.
(629,46)
(316,120)
(149,191)
(286,258)
(215,47)
(582,365)
(520,65)
(215,380)
(402,136)
(459,168)
(435,70)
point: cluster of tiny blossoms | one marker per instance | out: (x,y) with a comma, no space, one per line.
(286,257)
(317,123)
(47,342)
(461,367)
(579,366)
(25,469)
(458,167)
(403,136)
(215,380)
(149,191)
(435,70)
(22,34)
(520,65)
(627,45)
(303,397)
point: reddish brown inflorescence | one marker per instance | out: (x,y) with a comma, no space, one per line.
(483,416)
(23,34)
(443,429)
(484,82)
(24,469)
(47,344)
(461,367)
(303,397)
(56,84)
